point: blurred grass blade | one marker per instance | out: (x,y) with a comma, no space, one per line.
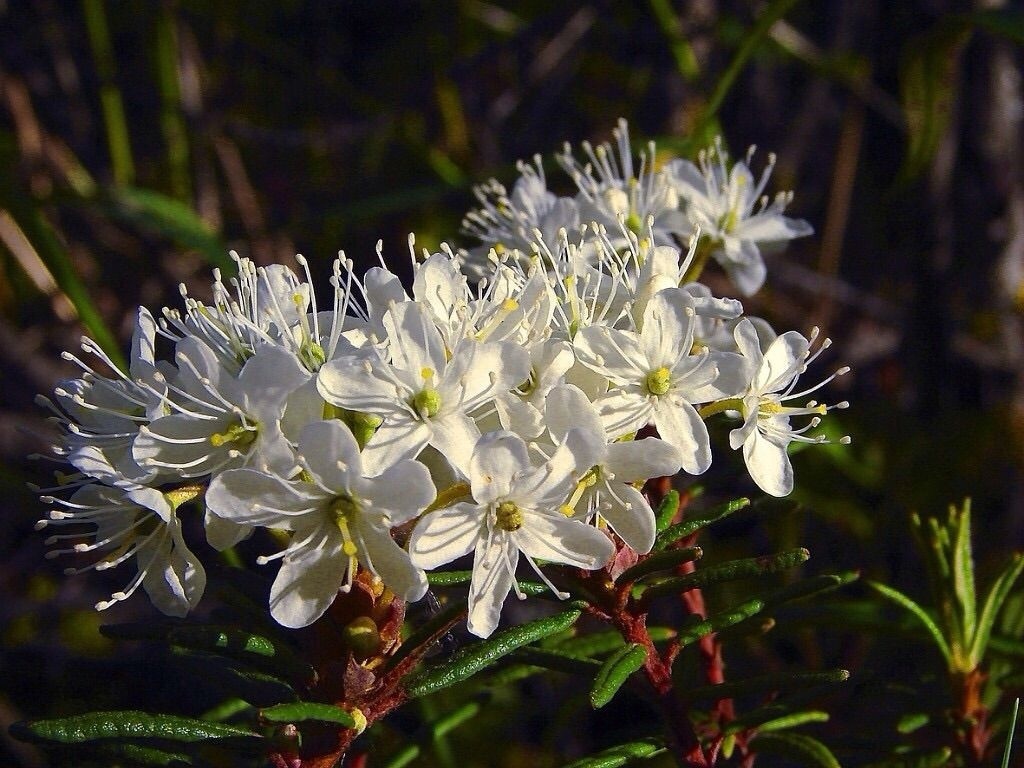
(997,595)
(902,600)
(706,120)
(799,747)
(614,673)
(682,51)
(929,74)
(301,711)
(481,655)
(111,102)
(1010,733)
(37,231)
(435,731)
(621,754)
(154,211)
(171,121)
(125,724)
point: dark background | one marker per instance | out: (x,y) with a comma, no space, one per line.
(280,126)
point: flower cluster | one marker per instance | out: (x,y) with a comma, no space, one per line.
(511,405)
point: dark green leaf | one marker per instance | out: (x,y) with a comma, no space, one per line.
(600,643)
(660,561)
(620,755)
(433,732)
(730,571)
(774,717)
(934,758)
(721,620)
(125,724)
(474,658)
(689,527)
(559,661)
(236,678)
(816,585)
(429,632)
(614,672)
(137,754)
(300,711)
(449,578)
(795,746)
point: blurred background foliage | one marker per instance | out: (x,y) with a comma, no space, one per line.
(140,141)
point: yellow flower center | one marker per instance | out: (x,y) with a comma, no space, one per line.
(659,381)
(509,516)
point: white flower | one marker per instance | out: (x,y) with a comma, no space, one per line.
(621,192)
(515,511)
(423,397)
(730,210)
(655,379)
(133,523)
(219,421)
(340,519)
(509,224)
(766,432)
(101,416)
(521,409)
(605,491)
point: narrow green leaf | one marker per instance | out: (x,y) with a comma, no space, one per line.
(172,121)
(792,721)
(1010,733)
(614,673)
(816,585)
(963,571)
(730,571)
(137,754)
(1006,646)
(660,561)
(770,713)
(913,721)
(902,600)
(559,661)
(933,758)
(301,711)
(474,658)
(997,595)
(667,510)
(721,620)
(689,527)
(600,643)
(127,724)
(795,746)
(449,578)
(257,687)
(621,754)
(148,209)
(767,684)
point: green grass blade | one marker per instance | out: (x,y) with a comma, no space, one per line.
(1009,735)
(997,595)
(435,731)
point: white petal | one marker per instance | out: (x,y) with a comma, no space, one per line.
(768,464)
(492,580)
(254,498)
(268,378)
(416,344)
(222,533)
(331,453)
(565,407)
(454,436)
(399,493)
(631,517)
(638,460)
(679,424)
(394,441)
(560,539)
(616,354)
(625,411)
(177,587)
(306,586)
(781,363)
(497,458)
(393,565)
(667,331)
(358,382)
(745,266)
(768,227)
(447,534)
